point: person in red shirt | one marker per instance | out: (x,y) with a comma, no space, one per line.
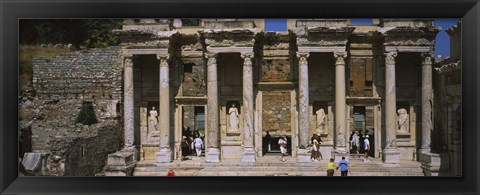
(170,173)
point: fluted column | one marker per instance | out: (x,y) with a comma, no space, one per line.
(128,102)
(303,103)
(213,150)
(426,101)
(248,148)
(391,152)
(340,105)
(164,154)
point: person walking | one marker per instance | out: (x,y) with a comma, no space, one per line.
(330,167)
(315,150)
(355,143)
(283,147)
(366,146)
(185,147)
(198,146)
(344,166)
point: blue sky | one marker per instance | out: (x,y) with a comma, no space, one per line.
(442,46)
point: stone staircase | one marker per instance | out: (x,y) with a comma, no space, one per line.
(272,166)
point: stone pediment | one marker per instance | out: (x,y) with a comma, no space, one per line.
(410,36)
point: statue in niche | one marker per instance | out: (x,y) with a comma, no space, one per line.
(320,120)
(233,112)
(152,120)
(403,121)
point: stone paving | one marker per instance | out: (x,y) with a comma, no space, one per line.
(272,166)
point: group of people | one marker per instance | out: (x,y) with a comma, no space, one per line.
(191,142)
(362,144)
(343,165)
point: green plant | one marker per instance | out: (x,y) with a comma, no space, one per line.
(87,114)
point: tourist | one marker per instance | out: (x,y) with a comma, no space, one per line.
(344,167)
(319,154)
(330,168)
(268,138)
(355,143)
(198,146)
(367,149)
(185,147)
(170,173)
(315,150)
(283,147)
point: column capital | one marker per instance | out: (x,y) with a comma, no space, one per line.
(340,57)
(163,57)
(128,60)
(211,57)
(427,58)
(245,55)
(247,58)
(390,57)
(302,57)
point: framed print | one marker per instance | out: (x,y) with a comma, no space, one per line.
(227,97)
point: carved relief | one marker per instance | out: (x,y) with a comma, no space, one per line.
(403,121)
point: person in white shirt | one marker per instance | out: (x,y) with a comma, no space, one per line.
(355,143)
(283,147)
(367,149)
(198,146)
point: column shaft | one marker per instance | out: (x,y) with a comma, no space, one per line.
(213,152)
(340,105)
(390,100)
(304,125)
(391,154)
(128,102)
(426,101)
(248,123)
(164,154)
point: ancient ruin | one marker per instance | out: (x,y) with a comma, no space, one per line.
(229,81)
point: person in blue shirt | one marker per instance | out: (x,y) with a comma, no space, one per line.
(344,167)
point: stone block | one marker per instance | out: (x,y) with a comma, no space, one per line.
(303,155)
(150,152)
(120,159)
(248,155)
(391,156)
(212,155)
(231,152)
(32,162)
(164,156)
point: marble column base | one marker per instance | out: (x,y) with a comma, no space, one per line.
(431,162)
(248,155)
(164,155)
(391,156)
(340,152)
(133,150)
(212,155)
(303,155)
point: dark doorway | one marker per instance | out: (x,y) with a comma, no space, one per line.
(275,147)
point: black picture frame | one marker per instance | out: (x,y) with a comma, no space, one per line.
(11,11)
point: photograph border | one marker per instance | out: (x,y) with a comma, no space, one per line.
(11,11)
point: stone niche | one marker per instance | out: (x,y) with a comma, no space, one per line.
(276,113)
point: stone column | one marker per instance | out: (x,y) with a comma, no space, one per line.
(303,119)
(431,162)
(213,150)
(128,102)
(391,154)
(426,101)
(164,154)
(248,148)
(340,106)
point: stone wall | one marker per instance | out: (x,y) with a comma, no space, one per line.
(61,85)
(276,114)
(276,70)
(95,73)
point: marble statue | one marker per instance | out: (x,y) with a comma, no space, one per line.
(152,120)
(320,120)
(233,112)
(403,121)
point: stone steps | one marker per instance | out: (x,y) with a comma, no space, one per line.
(274,167)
